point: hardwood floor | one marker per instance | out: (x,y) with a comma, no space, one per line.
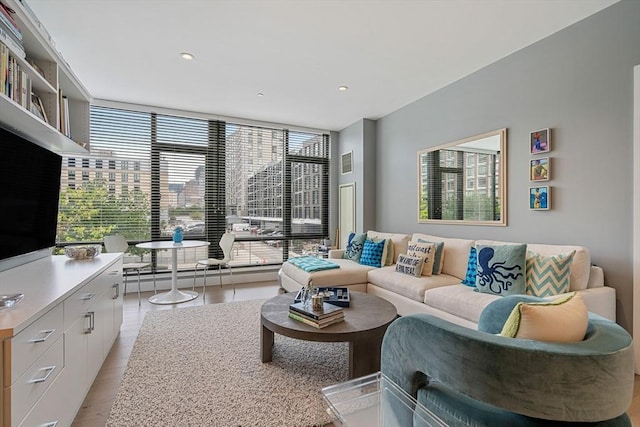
(96,406)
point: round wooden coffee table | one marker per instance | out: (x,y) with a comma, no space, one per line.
(364,325)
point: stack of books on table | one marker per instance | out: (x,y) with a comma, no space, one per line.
(329,315)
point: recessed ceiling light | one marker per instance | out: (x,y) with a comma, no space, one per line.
(186,55)
(343,88)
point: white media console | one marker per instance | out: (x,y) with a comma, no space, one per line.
(56,338)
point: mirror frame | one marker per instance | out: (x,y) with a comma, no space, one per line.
(502,180)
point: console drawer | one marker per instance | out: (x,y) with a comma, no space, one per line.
(30,343)
(26,391)
(52,409)
(80,301)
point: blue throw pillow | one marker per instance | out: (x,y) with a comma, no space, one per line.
(372,253)
(501,269)
(438,259)
(354,246)
(472,268)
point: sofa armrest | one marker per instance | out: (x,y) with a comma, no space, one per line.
(596,277)
(336,253)
(587,381)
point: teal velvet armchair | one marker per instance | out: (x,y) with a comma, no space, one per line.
(478,378)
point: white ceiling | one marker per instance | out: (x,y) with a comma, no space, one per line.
(296,52)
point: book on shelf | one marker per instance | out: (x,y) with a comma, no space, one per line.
(15,46)
(15,82)
(327,310)
(315,324)
(10,23)
(37,108)
(67,125)
(64,125)
(8,12)
(4,63)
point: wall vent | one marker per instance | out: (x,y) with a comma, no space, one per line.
(347,162)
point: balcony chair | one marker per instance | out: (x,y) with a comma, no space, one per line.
(226,244)
(117,243)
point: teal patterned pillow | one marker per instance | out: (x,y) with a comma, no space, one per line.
(501,269)
(372,253)
(472,268)
(548,275)
(354,247)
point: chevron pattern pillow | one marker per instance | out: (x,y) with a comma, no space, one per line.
(548,275)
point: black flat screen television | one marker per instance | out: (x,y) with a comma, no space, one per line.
(30,180)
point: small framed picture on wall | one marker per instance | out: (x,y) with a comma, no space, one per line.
(540,141)
(539,169)
(539,198)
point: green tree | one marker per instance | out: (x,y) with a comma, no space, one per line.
(477,207)
(90,212)
(424,212)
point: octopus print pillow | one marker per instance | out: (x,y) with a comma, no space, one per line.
(355,246)
(501,269)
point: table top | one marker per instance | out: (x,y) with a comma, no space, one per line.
(367,316)
(170,244)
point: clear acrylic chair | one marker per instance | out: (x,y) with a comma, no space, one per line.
(226,244)
(117,243)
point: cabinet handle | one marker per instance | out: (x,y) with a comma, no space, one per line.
(49,371)
(117,287)
(49,424)
(87,297)
(46,336)
(113,273)
(92,318)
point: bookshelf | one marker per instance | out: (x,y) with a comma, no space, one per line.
(57,80)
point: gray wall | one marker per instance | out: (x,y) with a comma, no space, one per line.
(334,179)
(361,138)
(579,83)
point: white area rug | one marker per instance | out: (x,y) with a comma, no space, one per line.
(200,366)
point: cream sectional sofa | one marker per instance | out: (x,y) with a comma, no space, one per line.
(443,295)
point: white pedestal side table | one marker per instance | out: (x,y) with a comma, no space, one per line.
(174,296)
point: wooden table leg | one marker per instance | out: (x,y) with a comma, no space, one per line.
(364,357)
(266,344)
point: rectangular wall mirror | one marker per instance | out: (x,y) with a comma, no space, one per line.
(464,182)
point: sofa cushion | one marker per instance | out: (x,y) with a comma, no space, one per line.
(372,253)
(408,286)
(580,266)
(456,252)
(472,268)
(459,300)
(349,273)
(501,269)
(425,250)
(548,275)
(411,265)
(540,320)
(387,252)
(438,258)
(354,246)
(399,241)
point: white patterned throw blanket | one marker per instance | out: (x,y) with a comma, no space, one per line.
(309,263)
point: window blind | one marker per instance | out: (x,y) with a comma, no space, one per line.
(149,173)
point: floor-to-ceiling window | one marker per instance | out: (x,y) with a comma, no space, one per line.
(148,173)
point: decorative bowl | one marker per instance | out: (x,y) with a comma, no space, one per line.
(83,251)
